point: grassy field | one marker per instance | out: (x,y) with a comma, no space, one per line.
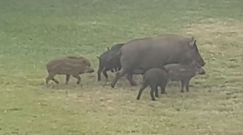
(32,32)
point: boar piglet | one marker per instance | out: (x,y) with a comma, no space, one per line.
(183,73)
(154,77)
(69,66)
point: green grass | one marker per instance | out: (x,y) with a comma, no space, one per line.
(32,32)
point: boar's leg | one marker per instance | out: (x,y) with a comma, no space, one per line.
(99,72)
(67,79)
(182,85)
(152,91)
(187,85)
(131,81)
(117,68)
(78,78)
(156,92)
(162,87)
(121,74)
(105,74)
(118,76)
(48,79)
(112,70)
(141,90)
(51,77)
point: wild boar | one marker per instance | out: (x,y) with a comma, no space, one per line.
(154,77)
(156,52)
(69,66)
(183,73)
(109,61)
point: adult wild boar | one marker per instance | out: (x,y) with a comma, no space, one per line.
(109,61)
(69,66)
(147,53)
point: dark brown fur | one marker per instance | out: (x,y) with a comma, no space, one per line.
(69,66)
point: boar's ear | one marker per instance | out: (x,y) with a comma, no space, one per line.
(108,48)
(98,57)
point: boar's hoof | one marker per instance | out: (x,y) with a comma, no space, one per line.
(163,92)
(153,99)
(133,83)
(112,85)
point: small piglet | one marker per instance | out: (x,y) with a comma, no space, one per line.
(183,73)
(154,77)
(69,66)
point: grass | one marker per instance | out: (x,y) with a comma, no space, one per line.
(33,32)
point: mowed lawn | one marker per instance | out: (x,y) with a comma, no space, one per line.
(32,32)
